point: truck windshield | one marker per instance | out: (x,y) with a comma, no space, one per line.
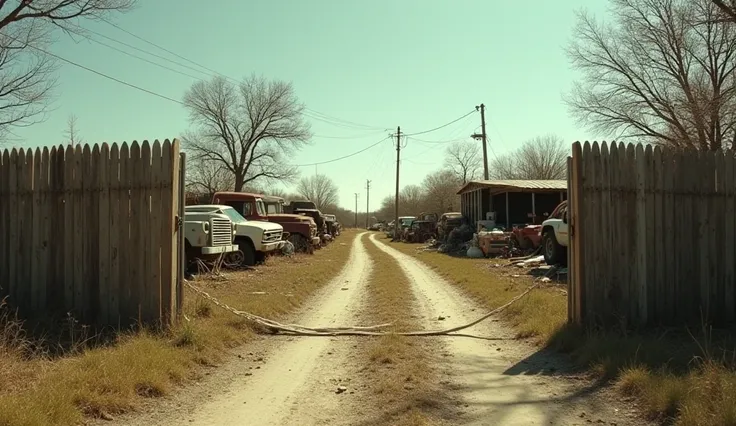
(273,208)
(233,215)
(261,208)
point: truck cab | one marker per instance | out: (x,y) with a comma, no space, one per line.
(207,235)
(301,230)
(255,239)
(555,236)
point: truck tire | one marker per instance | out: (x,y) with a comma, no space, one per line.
(244,256)
(554,253)
(301,245)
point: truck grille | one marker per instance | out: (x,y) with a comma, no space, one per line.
(221,232)
(271,236)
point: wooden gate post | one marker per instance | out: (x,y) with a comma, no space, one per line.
(575,275)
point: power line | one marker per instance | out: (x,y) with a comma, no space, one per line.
(442,126)
(314,114)
(341,158)
(101,74)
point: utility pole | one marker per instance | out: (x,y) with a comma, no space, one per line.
(356,209)
(396,200)
(483,137)
(367,201)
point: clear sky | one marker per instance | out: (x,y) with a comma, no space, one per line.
(409,63)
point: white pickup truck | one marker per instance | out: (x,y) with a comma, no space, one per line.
(207,235)
(255,239)
(555,236)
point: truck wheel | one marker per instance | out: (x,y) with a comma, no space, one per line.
(301,245)
(554,253)
(244,256)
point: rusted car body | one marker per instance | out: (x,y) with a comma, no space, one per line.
(447,222)
(420,231)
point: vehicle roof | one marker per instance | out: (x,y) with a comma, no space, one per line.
(234,194)
(272,198)
(207,207)
(407,217)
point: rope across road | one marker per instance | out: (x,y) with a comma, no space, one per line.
(374,330)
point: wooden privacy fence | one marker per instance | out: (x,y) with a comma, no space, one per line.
(653,235)
(91,231)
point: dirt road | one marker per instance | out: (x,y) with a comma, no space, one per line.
(502,382)
(314,380)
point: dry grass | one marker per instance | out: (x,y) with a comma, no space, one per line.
(679,379)
(406,386)
(104,381)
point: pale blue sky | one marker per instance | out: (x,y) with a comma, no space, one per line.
(417,64)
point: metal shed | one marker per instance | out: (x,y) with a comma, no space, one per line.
(513,201)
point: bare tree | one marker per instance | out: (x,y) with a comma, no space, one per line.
(318,188)
(249,128)
(27,73)
(664,72)
(411,199)
(464,159)
(72,132)
(207,177)
(544,158)
(440,192)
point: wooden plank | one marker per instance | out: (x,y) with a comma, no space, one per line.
(127,311)
(165,178)
(631,233)
(570,259)
(703,243)
(4,222)
(36,245)
(658,246)
(156,224)
(113,220)
(143,225)
(606,219)
(718,259)
(180,163)
(56,225)
(45,264)
(668,164)
(26,252)
(713,248)
(598,286)
(14,209)
(137,257)
(650,249)
(587,228)
(613,218)
(729,238)
(80,288)
(576,237)
(69,222)
(104,316)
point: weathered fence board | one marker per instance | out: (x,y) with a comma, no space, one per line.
(653,235)
(91,231)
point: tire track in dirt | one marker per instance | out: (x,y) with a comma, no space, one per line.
(281,380)
(296,385)
(502,382)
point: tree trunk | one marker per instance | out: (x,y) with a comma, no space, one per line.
(239,182)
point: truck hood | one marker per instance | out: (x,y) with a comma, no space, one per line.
(266,226)
(284,217)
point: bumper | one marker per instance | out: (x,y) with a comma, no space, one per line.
(268,247)
(220,249)
(316,241)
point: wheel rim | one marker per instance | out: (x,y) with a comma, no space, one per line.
(235,258)
(550,247)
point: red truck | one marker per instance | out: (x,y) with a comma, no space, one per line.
(302,229)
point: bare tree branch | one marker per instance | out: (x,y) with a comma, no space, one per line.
(464,160)
(27,75)
(250,129)
(320,189)
(543,158)
(663,72)
(205,177)
(72,132)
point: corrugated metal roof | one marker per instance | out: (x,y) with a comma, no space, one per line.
(515,185)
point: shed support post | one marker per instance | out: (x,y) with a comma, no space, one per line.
(508,222)
(534,208)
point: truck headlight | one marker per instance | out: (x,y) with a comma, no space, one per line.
(206,227)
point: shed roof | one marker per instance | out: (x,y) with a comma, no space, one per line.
(498,186)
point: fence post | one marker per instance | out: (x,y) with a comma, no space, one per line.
(181,258)
(576,244)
